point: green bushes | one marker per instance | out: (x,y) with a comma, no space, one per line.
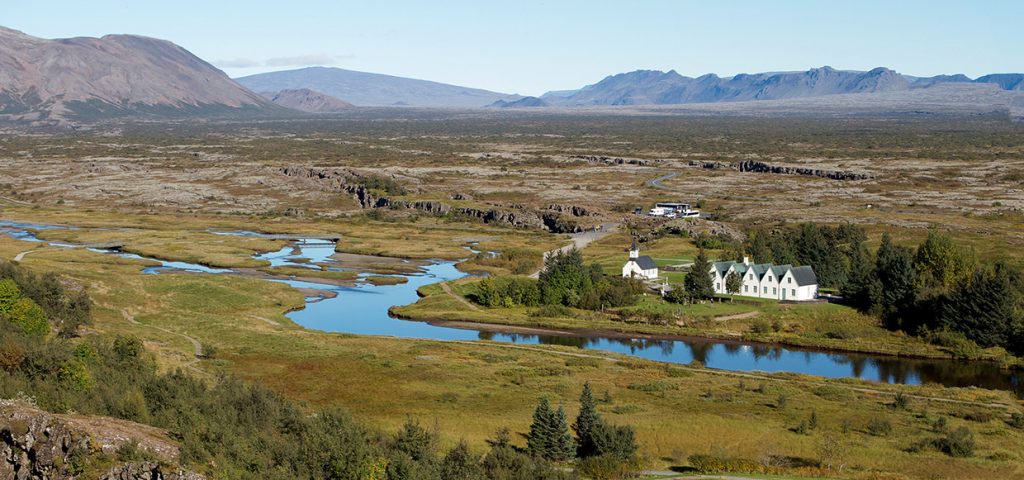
(519,261)
(508,292)
(705,463)
(957,443)
(43,299)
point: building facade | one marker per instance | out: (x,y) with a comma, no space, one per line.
(778,282)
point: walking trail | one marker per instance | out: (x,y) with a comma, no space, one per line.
(460,298)
(196,346)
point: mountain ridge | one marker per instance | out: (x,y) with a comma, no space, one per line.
(114,75)
(374,89)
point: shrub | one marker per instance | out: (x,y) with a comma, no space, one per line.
(1016,420)
(29,316)
(879,427)
(705,463)
(760,326)
(508,292)
(958,443)
(653,387)
(607,467)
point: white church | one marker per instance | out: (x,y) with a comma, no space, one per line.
(779,282)
(641,267)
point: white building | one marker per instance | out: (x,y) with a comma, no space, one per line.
(779,282)
(639,267)
(673,210)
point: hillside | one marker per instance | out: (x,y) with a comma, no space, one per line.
(306,100)
(88,78)
(372,89)
(652,87)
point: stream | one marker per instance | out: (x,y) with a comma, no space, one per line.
(363,309)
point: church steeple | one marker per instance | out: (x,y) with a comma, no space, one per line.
(634,250)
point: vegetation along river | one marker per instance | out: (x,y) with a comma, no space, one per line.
(363,309)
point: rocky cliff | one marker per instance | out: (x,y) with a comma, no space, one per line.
(39,445)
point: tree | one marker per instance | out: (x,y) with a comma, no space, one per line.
(989,309)
(565,280)
(30,317)
(586,424)
(894,266)
(539,440)
(862,288)
(615,440)
(833,451)
(461,464)
(698,283)
(941,264)
(563,447)
(9,293)
(733,283)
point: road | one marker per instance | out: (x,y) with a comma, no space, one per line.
(581,240)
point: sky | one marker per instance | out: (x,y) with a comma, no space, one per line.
(533,46)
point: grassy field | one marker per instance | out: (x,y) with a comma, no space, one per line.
(471,389)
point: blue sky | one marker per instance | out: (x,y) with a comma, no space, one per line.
(530,47)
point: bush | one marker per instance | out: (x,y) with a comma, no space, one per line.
(508,292)
(958,443)
(715,464)
(607,467)
(1016,420)
(879,427)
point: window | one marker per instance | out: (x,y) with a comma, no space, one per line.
(718,286)
(769,278)
(789,280)
(765,290)
(774,291)
(793,291)
(750,277)
(746,288)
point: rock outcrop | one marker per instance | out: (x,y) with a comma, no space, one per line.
(761,167)
(557,218)
(613,160)
(39,445)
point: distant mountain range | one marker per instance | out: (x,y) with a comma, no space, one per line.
(53,81)
(653,87)
(306,100)
(86,78)
(373,89)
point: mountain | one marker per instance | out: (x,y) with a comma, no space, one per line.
(372,89)
(524,102)
(84,78)
(307,100)
(653,87)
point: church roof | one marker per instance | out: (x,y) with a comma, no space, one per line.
(645,262)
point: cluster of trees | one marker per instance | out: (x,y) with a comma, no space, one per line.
(696,287)
(549,436)
(830,250)
(565,281)
(939,288)
(34,301)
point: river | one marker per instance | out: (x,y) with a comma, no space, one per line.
(363,309)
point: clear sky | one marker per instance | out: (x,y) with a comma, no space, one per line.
(532,46)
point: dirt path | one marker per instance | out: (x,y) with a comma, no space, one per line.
(20,256)
(196,346)
(744,375)
(460,298)
(737,316)
(581,240)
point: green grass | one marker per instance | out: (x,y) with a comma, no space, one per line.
(470,389)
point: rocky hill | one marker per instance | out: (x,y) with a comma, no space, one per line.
(87,78)
(652,87)
(307,100)
(372,89)
(521,103)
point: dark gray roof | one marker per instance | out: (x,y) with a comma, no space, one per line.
(645,262)
(780,270)
(804,276)
(722,267)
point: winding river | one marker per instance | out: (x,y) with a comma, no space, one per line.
(363,309)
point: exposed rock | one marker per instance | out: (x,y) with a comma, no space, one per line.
(39,445)
(761,167)
(461,196)
(574,210)
(307,100)
(613,160)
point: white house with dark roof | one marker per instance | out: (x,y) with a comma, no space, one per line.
(779,282)
(642,267)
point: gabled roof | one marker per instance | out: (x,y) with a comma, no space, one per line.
(804,275)
(645,262)
(760,269)
(780,270)
(722,267)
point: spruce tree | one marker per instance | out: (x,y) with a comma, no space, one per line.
(698,282)
(563,447)
(587,424)
(461,464)
(894,266)
(539,440)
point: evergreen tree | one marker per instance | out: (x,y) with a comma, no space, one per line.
(941,264)
(698,283)
(461,464)
(861,287)
(563,447)
(894,266)
(758,247)
(586,425)
(989,309)
(539,442)
(565,280)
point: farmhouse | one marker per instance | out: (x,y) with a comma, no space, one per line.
(764,280)
(639,267)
